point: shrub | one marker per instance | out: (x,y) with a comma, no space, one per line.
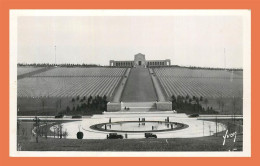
(80,135)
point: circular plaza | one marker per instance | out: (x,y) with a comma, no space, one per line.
(163,125)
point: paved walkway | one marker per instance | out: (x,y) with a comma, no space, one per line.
(120,88)
(159,91)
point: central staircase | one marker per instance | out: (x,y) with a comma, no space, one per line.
(140,91)
(139,87)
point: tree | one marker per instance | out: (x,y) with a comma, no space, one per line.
(44,129)
(105,103)
(78,108)
(222,105)
(206,102)
(54,131)
(67,109)
(65,134)
(90,98)
(43,104)
(220,101)
(174,106)
(18,126)
(173,99)
(60,130)
(57,105)
(197,100)
(83,106)
(187,97)
(234,101)
(216,126)
(104,98)
(60,103)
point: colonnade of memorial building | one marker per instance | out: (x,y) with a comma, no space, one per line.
(122,63)
(140,61)
(166,62)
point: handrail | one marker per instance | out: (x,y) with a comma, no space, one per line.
(151,70)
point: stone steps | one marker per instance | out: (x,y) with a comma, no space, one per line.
(139,104)
(150,112)
(138,109)
(122,114)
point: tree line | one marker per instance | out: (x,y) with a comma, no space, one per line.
(60,65)
(202,68)
(189,105)
(87,104)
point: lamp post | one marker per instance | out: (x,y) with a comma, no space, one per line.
(55,54)
(37,123)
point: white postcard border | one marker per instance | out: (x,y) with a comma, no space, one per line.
(14,14)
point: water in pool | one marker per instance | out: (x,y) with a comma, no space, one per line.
(136,126)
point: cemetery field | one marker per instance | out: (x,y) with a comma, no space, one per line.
(51,91)
(47,92)
(70,82)
(200,82)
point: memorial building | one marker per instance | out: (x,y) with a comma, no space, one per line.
(140,61)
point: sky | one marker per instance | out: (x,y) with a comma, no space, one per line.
(185,40)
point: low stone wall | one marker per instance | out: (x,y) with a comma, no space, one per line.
(164,106)
(113,107)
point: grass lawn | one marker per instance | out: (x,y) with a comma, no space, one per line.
(173,144)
